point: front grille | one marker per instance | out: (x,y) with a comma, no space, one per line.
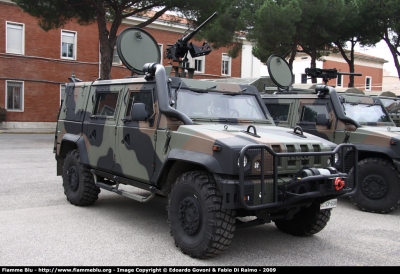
(259,179)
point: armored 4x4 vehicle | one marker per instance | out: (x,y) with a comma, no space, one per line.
(392,105)
(212,149)
(344,118)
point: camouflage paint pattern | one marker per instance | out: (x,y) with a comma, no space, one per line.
(145,150)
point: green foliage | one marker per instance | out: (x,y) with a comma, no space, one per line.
(3,114)
(52,14)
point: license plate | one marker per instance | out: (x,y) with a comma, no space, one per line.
(329,204)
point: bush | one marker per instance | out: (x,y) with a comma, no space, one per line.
(3,114)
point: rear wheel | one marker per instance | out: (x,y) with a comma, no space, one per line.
(378,188)
(306,222)
(201,227)
(78,182)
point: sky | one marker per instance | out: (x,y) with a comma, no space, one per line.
(380,50)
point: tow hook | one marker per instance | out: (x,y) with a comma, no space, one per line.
(339,183)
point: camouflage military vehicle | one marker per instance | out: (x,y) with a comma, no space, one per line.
(212,149)
(392,105)
(345,118)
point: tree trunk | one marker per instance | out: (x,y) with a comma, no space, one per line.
(394,54)
(105,51)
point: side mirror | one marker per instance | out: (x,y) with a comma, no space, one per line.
(139,112)
(322,120)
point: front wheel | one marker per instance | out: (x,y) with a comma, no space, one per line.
(306,222)
(78,182)
(378,187)
(201,227)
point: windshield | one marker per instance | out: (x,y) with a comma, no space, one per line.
(363,113)
(219,105)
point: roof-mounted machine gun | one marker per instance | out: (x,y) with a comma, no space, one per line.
(178,51)
(327,74)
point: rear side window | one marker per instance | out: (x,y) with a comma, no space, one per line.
(279,112)
(105,104)
(144,97)
(309,112)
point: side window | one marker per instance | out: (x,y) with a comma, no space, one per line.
(279,112)
(68,44)
(15,41)
(309,112)
(15,95)
(141,97)
(226,64)
(105,104)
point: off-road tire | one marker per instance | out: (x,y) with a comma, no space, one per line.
(201,227)
(78,182)
(378,189)
(306,222)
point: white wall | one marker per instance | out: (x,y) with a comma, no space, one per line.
(250,64)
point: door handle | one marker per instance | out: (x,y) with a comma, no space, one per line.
(92,136)
(127,140)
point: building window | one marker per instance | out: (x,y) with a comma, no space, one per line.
(304,78)
(62,93)
(339,81)
(15,38)
(368,83)
(15,96)
(160,46)
(197,63)
(68,44)
(116,60)
(226,64)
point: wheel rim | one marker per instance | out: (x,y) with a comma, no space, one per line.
(190,215)
(73,179)
(374,186)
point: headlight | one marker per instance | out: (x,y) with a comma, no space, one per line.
(244,161)
(336,159)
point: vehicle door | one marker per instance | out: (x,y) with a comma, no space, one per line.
(100,125)
(136,139)
(281,110)
(308,111)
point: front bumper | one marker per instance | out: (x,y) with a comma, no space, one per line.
(261,185)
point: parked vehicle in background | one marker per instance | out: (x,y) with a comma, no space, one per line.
(344,118)
(392,105)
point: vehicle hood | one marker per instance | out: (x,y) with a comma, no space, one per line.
(204,136)
(374,135)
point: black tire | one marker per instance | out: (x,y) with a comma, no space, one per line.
(201,227)
(306,222)
(78,182)
(378,189)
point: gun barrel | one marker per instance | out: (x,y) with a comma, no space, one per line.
(349,73)
(193,33)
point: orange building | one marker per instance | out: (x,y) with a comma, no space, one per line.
(35,65)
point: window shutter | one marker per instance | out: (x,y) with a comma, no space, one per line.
(68,38)
(14,38)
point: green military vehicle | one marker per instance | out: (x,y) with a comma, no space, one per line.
(343,118)
(392,105)
(212,149)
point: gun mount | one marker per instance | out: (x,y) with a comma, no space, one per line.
(327,74)
(178,51)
